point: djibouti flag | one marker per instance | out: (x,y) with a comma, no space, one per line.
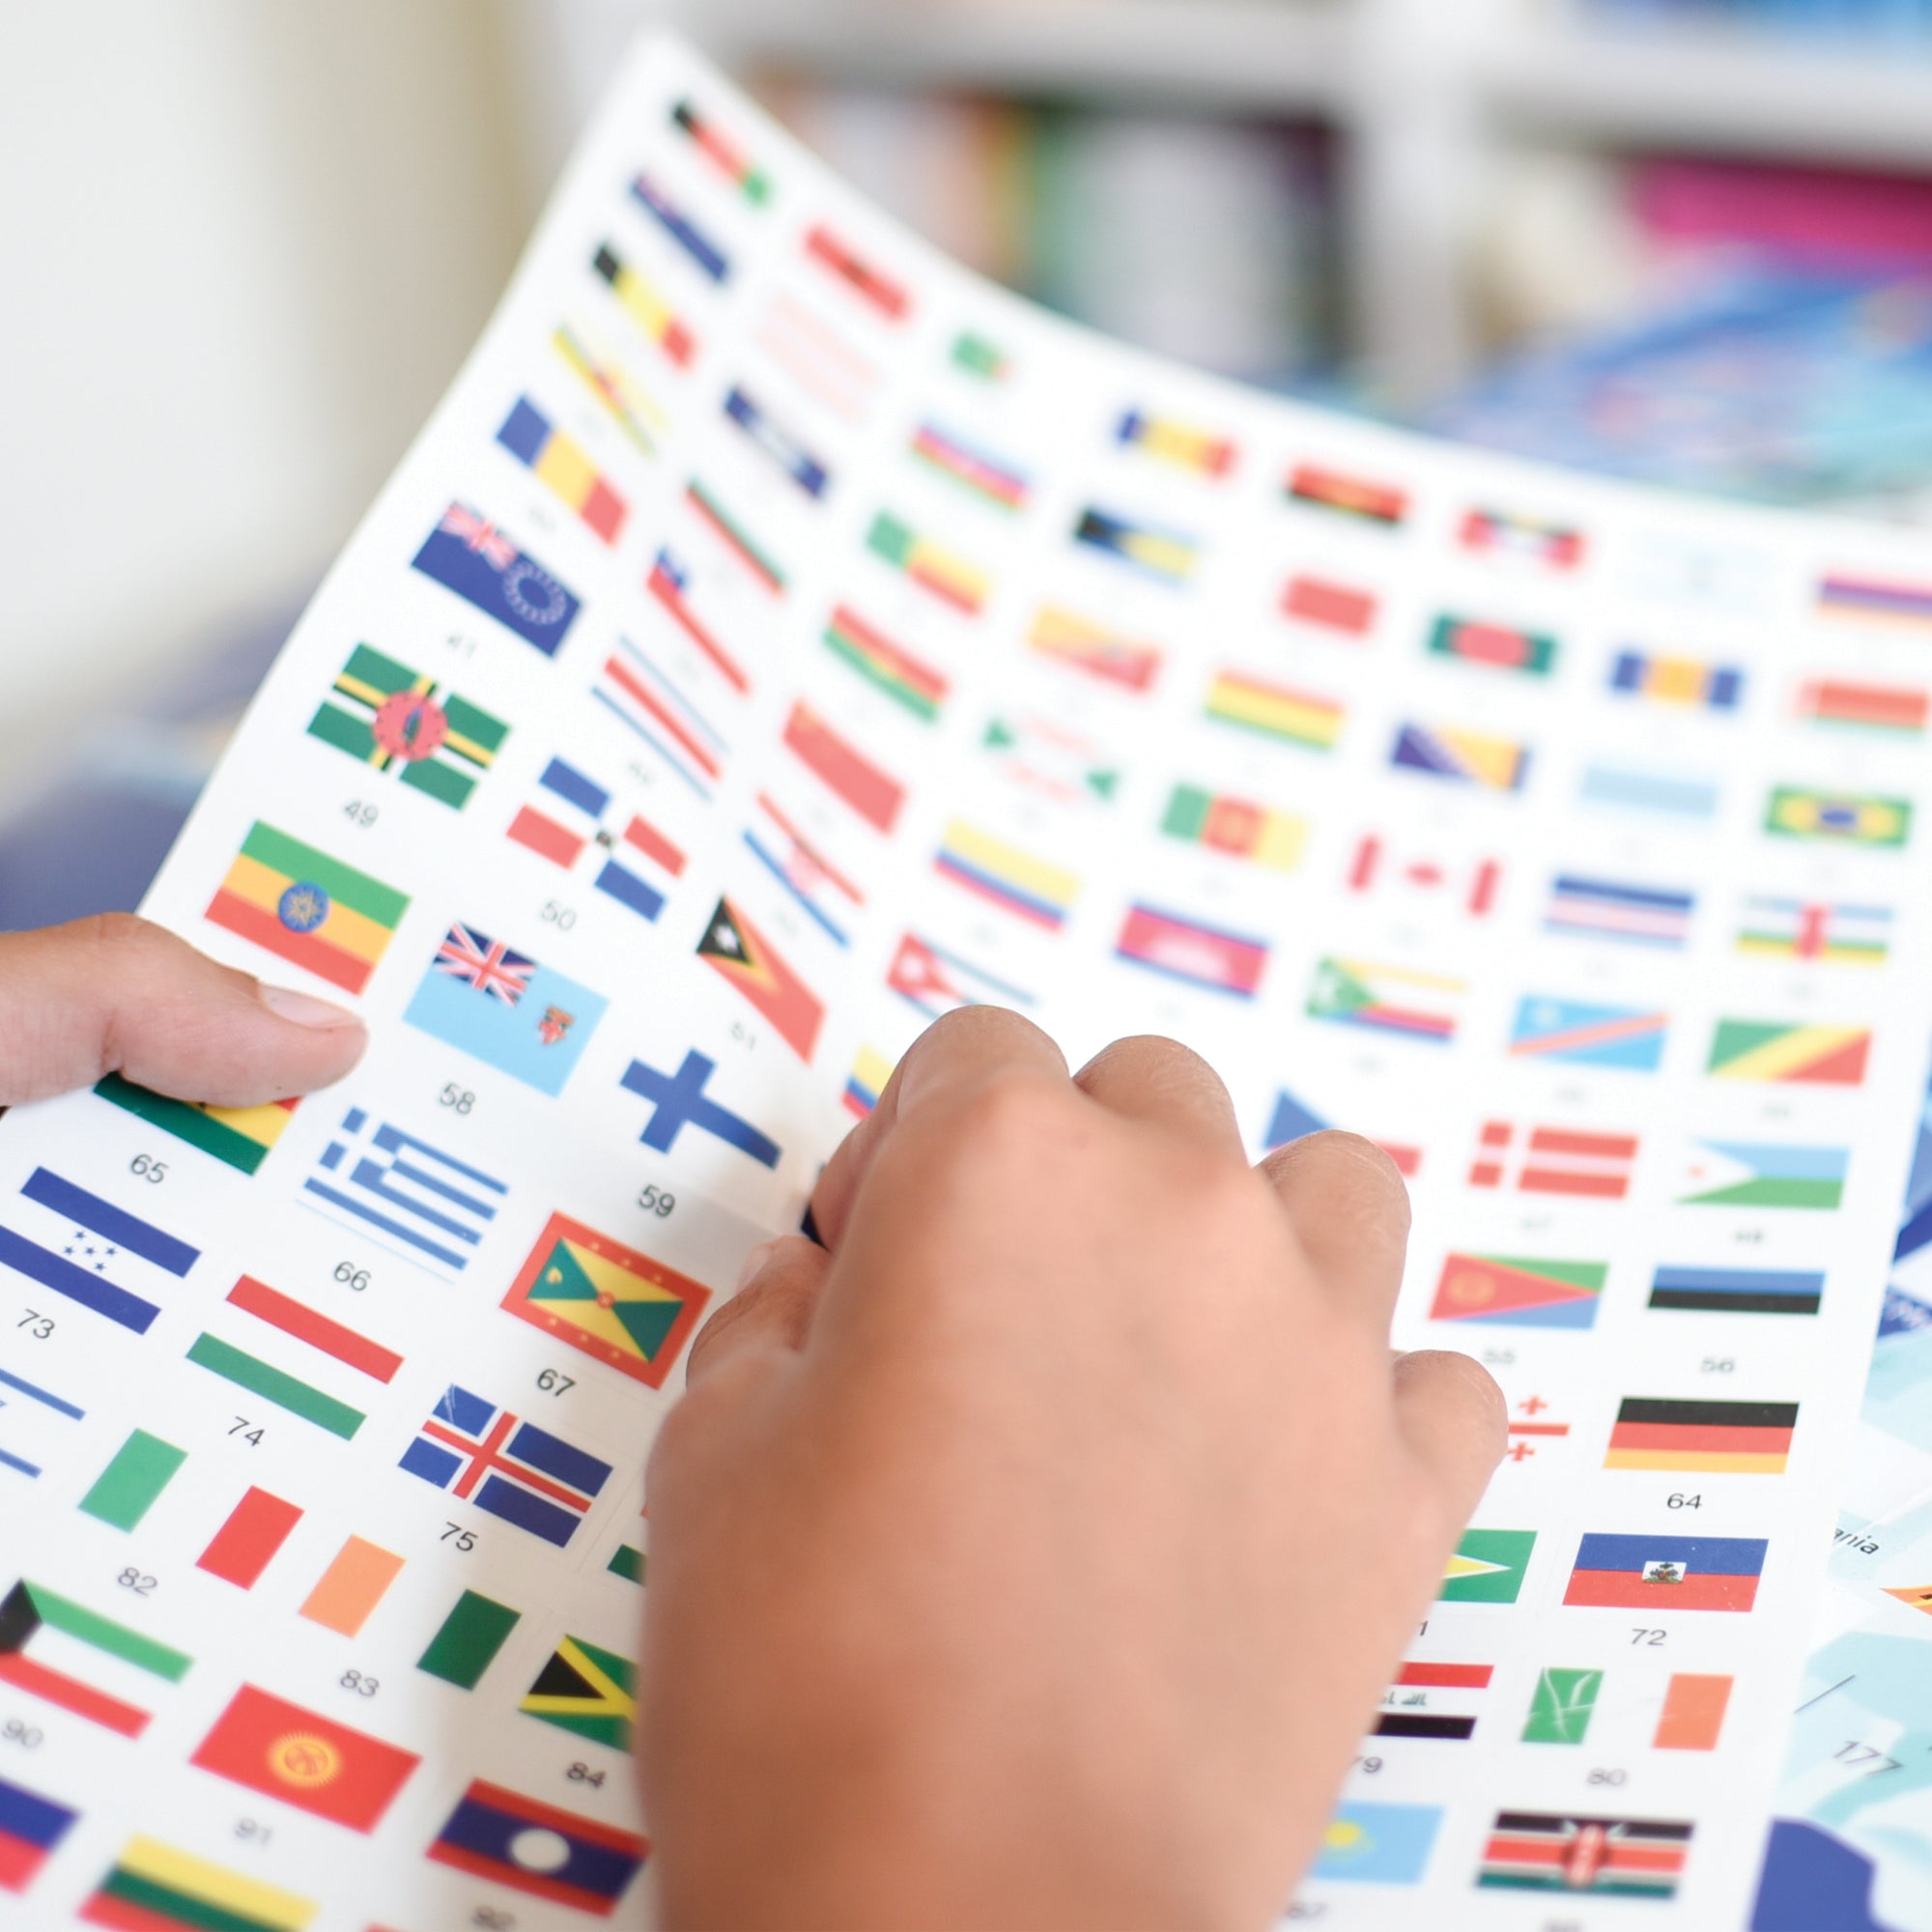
(397,719)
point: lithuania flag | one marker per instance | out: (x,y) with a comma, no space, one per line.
(153,1887)
(308,907)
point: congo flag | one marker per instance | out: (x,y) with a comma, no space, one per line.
(312,909)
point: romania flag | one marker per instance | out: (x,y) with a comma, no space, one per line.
(311,909)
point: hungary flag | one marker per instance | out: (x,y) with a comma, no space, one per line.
(593,1293)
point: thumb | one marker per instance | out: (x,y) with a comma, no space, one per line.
(116,994)
(777,1296)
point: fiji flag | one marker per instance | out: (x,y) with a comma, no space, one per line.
(502,1007)
(482,567)
(483,1454)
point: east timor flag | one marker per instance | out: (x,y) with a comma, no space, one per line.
(733,948)
(308,1761)
(1744,1438)
(308,907)
(612,1302)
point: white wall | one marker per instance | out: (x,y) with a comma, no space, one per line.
(243,248)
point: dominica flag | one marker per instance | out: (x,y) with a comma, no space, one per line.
(1587,1034)
(888,667)
(1816,1056)
(1499,646)
(1561,1706)
(485,1456)
(310,909)
(1776,926)
(1387,999)
(304,1759)
(1237,827)
(31,1828)
(1667,1572)
(1018,882)
(1460,756)
(239,1136)
(1703,1437)
(1277,711)
(1685,682)
(74,1244)
(1488,1567)
(1065,638)
(1762,1174)
(393,718)
(539,1849)
(1050,757)
(1547,1851)
(1735,1291)
(620,1307)
(1515,1291)
(740,955)
(1378,1844)
(1167,557)
(73,1657)
(1838,818)
(153,1887)
(1419,1701)
(587,1691)
(630,860)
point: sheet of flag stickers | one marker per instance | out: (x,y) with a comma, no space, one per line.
(777,641)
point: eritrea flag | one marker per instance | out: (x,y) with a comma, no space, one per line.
(1514,1292)
(308,1761)
(620,1307)
(309,908)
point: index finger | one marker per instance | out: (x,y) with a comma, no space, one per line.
(957,1053)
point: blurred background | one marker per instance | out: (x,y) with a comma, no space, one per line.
(246,246)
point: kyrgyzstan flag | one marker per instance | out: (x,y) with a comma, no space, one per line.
(272,1745)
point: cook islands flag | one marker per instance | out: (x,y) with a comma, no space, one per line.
(482,567)
(502,1007)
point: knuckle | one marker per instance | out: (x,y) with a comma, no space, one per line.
(1012,1117)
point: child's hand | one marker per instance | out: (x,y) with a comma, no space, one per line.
(1039,1557)
(116,995)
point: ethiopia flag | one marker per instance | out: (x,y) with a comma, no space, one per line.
(313,910)
(621,1307)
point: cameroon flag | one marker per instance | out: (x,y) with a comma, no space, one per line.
(154,1888)
(629,1312)
(308,907)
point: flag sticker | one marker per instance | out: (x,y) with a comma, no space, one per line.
(1729,1290)
(1683,683)
(843,770)
(1634,915)
(955,580)
(980,358)
(989,479)
(91,1251)
(1018,882)
(1378,1844)
(1512,1290)
(239,1136)
(1195,954)
(1762,1174)
(309,909)
(1050,758)
(1488,1567)
(248,1538)
(628,404)
(47,1640)
(475,559)
(1293,1120)
(1586,1164)
(870,1070)
(346,1593)
(634,864)
(1667,1572)
(1166,557)
(1838,818)
(1869,707)
(1475,883)
(1561,1706)
(1461,758)
(1496,646)
(483,1454)
(132,1482)
(723,153)
(814,884)
(535,1848)
(1387,999)
(306,1760)
(934,981)
(1276,711)
(503,1009)
(468,1639)
(1238,828)
(1064,638)
(670,584)
(1413,1707)
(48,1403)
(1846,598)
(787,454)
(1506,536)
(156,1888)
(1200,452)
(652,705)
(31,1828)
(560,463)
(851,271)
(1546,1851)
(678,1100)
(613,1304)
(587,1691)
(395,719)
(1367,501)
(1816,1056)
(405,1192)
(1660,793)
(1693,1713)
(1702,1438)
(887,666)
(1343,607)
(1585,1035)
(646,307)
(698,246)
(740,955)
(1775,926)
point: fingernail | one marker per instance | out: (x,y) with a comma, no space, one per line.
(755,1262)
(301,1010)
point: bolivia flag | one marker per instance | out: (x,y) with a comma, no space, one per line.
(308,1761)
(621,1307)
(1668,1573)
(1512,1292)
(311,909)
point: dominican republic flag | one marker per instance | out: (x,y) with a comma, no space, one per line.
(574,816)
(483,1454)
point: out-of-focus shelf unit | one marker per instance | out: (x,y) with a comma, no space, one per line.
(1425,96)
